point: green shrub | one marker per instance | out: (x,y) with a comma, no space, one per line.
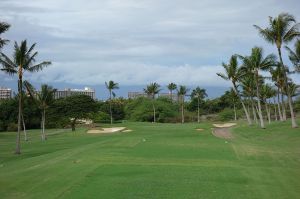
(12,127)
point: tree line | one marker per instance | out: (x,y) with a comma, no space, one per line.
(248,82)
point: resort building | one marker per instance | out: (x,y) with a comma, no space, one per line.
(5,93)
(68,92)
(134,95)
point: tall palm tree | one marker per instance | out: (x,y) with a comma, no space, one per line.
(247,83)
(44,98)
(234,74)
(266,93)
(171,88)
(200,94)
(253,64)
(151,90)
(277,77)
(233,98)
(282,29)
(182,92)
(111,85)
(3,28)
(294,56)
(23,60)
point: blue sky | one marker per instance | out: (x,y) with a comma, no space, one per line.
(135,42)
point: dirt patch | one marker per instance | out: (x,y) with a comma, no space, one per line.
(107,130)
(226,125)
(127,130)
(222,133)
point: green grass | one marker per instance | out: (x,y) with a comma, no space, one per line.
(154,161)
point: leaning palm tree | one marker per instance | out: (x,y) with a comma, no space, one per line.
(199,94)
(3,28)
(111,85)
(234,74)
(248,86)
(151,90)
(294,56)
(252,65)
(44,98)
(282,29)
(23,60)
(171,88)
(277,74)
(182,92)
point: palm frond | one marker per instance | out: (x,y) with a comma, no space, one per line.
(38,67)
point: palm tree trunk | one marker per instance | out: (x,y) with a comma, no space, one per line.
(278,105)
(198,110)
(253,110)
(244,107)
(44,121)
(154,114)
(182,111)
(73,124)
(110,110)
(294,124)
(268,112)
(275,110)
(171,95)
(24,129)
(234,109)
(18,140)
(283,107)
(262,125)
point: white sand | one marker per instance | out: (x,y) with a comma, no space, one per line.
(107,130)
(226,125)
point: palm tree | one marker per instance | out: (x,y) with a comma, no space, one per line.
(294,56)
(171,88)
(282,29)
(43,98)
(3,28)
(252,65)
(234,74)
(23,60)
(234,98)
(200,94)
(111,85)
(182,91)
(151,90)
(277,77)
(248,86)
(267,92)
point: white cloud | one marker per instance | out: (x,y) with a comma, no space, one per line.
(139,41)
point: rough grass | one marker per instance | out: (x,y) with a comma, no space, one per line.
(154,161)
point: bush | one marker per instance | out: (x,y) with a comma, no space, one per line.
(226,115)
(141,109)
(101,117)
(12,127)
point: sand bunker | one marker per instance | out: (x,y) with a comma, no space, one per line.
(199,129)
(107,130)
(226,125)
(222,133)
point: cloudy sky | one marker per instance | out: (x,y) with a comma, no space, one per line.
(135,42)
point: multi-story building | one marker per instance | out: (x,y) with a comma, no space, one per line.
(5,93)
(134,95)
(68,92)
